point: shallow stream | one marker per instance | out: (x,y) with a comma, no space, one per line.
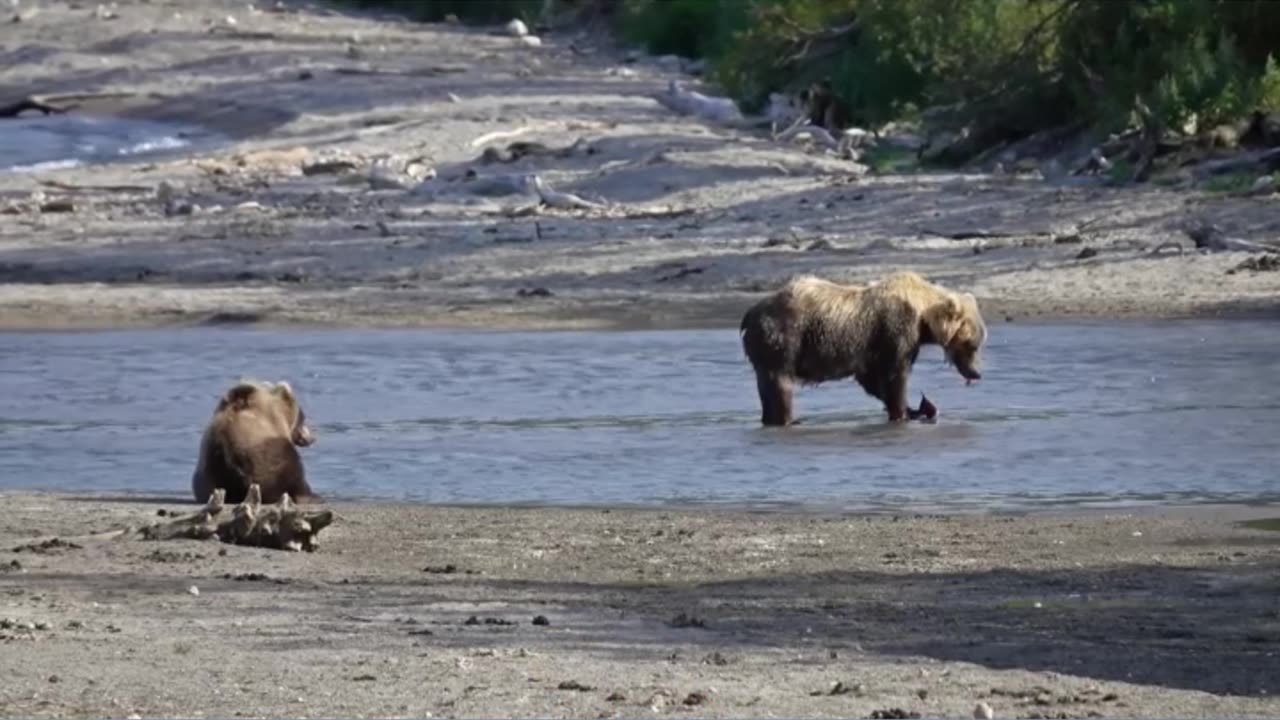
(1102,413)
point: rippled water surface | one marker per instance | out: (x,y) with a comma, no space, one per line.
(38,142)
(1066,414)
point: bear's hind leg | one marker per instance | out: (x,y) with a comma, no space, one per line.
(775,399)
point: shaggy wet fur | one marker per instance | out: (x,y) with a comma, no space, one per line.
(254,437)
(813,331)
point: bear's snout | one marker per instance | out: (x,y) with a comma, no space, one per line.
(302,436)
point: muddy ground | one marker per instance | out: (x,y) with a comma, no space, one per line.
(719,613)
(698,219)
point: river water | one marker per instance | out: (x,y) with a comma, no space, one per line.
(37,142)
(1084,413)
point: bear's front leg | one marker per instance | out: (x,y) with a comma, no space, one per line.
(895,397)
(775,399)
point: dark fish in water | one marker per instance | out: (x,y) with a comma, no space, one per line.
(926,411)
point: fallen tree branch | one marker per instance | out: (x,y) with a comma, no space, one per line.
(1207,236)
(562,200)
(29,103)
(55,104)
(968,234)
(282,526)
(501,135)
(1148,142)
(1266,161)
(73,187)
(820,135)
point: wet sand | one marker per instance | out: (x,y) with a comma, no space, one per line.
(722,613)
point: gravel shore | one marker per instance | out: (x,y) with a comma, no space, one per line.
(558,612)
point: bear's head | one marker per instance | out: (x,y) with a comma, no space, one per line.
(958,327)
(276,401)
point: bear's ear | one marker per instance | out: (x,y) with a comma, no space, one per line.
(238,397)
(283,389)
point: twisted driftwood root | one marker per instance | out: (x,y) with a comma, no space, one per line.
(283,526)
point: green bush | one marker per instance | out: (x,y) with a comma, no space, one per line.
(1012,67)
(1008,68)
(690,28)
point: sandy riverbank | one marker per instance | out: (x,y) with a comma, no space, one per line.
(1158,613)
(700,220)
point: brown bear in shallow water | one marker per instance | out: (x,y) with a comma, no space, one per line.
(813,330)
(254,437)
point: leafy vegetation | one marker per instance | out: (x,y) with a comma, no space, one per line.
(1006,68)
(1002,69)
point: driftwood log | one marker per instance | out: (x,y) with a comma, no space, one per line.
(31,103)
(282,526)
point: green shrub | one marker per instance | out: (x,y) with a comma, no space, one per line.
(1008,68)
(690,28)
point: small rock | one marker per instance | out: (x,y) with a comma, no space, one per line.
(716,659)
(54,678)
(574,685)
(448,569)
(364,678)
(516,28)
(541,620)
(59,205)
(332,166)
(983,711)
(684,620)
(194,590)
(531,40)
(384,178)
(1087,253)
(42,625)
(817,245)
(695,698)
(893,714)
(534,292)
(616,696)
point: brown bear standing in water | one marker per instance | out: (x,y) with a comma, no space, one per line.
(813,331)
(254,437)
